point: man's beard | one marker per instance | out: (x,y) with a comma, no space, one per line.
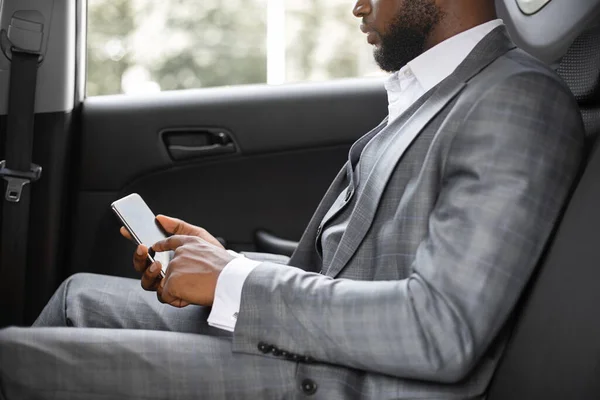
(406,37)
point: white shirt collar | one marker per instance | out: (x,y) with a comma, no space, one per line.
(437,63)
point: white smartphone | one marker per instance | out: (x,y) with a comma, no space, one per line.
(141,223)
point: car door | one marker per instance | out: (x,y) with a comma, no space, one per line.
(228,115)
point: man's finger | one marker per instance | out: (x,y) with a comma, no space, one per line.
(165,296)
(125,233)
(168,298)
(178,227)
(140,258)
(151,277)
(159,292)
(172,243)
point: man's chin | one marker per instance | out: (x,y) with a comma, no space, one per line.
(382,61)
(392,59)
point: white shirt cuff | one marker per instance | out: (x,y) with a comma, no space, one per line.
(228,293)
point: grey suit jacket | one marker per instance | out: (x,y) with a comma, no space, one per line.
(445,233)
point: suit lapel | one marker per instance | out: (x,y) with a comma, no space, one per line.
(489,49)
(302,256)
(331,211)
(357,147)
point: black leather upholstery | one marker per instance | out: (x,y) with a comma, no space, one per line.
(554,352)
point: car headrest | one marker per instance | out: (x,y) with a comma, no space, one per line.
(547,28)
(563,33)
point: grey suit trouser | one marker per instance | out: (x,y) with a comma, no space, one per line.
(104,337)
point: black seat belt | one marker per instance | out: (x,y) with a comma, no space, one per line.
(18,172)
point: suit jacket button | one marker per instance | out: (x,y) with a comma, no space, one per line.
(276,352)
(264,348)
(308,359)
(284,354)
(309,387)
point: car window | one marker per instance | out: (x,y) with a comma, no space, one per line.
(144,46)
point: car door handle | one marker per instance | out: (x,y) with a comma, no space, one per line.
(178,152)
(183,144)
(266,242)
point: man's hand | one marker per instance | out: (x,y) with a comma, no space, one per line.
(151,278)
(193,272)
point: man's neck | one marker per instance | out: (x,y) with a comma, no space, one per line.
(458,20)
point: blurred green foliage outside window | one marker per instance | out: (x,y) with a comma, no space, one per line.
(144,46)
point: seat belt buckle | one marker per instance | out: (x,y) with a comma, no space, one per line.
(16,180)
(23,36)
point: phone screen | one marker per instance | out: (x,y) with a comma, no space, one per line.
(141,222)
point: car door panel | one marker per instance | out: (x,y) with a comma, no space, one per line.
(260,118)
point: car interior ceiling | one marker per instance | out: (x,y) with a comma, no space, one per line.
(554,351)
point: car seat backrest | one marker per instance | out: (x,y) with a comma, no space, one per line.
(554,350)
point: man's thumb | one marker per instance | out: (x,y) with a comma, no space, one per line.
(176,226)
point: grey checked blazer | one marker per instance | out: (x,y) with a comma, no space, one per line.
(443,236)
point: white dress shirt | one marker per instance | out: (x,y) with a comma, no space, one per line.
(403,89)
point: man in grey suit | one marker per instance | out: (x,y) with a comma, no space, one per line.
(405,279)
